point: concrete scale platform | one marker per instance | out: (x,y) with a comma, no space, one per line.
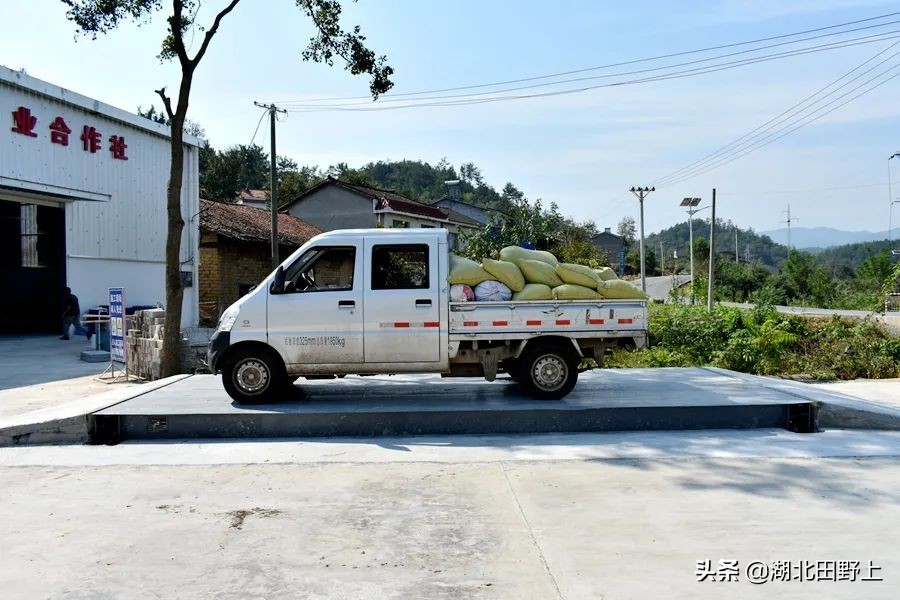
(605,400)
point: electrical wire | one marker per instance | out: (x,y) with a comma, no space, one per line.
(806,121)
(661,77)
(786,115)
(606,66)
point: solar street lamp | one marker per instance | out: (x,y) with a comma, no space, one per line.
(691,204)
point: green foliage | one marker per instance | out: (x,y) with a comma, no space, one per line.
(764,342)
(525,223)
(751,245)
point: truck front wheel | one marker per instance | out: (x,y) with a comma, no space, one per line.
(254,375)
(549,372)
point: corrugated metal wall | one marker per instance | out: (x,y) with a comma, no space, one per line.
(115,209)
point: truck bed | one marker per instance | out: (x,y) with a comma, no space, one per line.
(569,318)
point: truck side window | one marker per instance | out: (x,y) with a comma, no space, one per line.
(322,270)
(400,267)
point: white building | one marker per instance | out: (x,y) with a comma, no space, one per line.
(83,205)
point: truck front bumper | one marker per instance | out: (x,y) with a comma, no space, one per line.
(218,343)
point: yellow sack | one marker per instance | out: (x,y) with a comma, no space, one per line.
(578,275)
(536,271)
(466,272)
(515,254)
(506,273)
(619,289)
(605,273)
(570,291)
(534,291)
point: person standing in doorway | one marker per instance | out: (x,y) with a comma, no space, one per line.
(71,316)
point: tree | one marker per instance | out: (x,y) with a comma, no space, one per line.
(627,231)
(93,17)
(525,224)
(190,127)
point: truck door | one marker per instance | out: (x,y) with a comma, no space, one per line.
(318,319)
(402,320)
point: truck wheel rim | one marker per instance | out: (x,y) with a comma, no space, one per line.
(549,372)
(252,376)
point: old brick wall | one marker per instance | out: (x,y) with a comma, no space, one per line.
(226,268)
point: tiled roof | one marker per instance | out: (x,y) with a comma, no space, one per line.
(253,195)
(250,224)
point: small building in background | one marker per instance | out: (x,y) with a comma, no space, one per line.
(254,198)
(612,244)
(334,204)
(454,203)
(236,251)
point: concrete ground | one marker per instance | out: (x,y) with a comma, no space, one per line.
(556,516)
(882,391)
(42,372)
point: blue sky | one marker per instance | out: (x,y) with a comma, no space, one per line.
(582,151)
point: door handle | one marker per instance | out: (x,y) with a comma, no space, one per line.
(346,303)
(423,302)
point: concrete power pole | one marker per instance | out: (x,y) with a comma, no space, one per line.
(273,181)
(641,193)
(788,221)
(712,254)
(736,259)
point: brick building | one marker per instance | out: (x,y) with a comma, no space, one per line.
(235,251)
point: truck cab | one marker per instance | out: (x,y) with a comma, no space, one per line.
(349,301)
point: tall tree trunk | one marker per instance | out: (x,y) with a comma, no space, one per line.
(170,358)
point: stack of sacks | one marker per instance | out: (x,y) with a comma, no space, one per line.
(605,273)
(464,271)
(619,289)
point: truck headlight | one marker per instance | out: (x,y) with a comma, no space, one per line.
(226,321)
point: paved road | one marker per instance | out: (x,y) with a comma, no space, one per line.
(658,288)
(578,516)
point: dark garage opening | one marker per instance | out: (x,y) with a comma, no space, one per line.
(32,267)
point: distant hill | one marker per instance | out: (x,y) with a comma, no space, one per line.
(757,247)
(822,237)
(844,260)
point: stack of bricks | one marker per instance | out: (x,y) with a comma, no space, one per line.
(144,343)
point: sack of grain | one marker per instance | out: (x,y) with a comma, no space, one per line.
(534,291)
(505,272)
(536,271)
(569,291)
(492,291)
(461,293)
(619,289)
(466,272)
(578,275)
(605,273)
(516,254)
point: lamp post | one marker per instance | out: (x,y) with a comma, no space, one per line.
(891,208)
(641,193)
(691,203)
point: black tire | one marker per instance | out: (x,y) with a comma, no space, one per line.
(549,371)
(255,376)
(512,368)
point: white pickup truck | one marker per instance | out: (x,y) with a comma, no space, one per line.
(376,301)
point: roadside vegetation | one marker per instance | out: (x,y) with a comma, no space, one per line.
(764,342)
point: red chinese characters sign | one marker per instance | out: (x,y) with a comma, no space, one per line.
(24,123)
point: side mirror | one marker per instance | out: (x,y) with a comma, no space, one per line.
(277,286)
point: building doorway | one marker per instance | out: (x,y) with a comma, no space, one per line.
(32,266)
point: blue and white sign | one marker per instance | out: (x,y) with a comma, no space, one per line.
(117,325)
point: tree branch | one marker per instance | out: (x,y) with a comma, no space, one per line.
(177,32)
(167,103)
(212,31)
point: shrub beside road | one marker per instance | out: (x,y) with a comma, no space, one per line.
(765,342)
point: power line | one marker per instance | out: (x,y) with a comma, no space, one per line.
(301,104)
(662,77)
(806,121)
(790,114)
(610,65)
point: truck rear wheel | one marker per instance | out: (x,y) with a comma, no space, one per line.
(549,372)
(255,375)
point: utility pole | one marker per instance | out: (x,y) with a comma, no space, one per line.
(641,193)
(662,259)
(273,175)
(712,254)
(788,221)
(736,259)
(891,207)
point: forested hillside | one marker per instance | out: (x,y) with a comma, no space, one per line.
(750,245)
